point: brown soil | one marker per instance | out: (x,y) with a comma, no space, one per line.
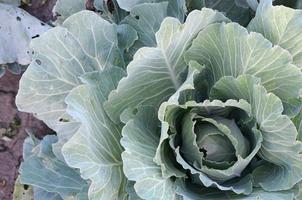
(41,9)
(13,126)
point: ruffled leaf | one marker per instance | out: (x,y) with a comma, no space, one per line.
(140,140)
(43,170)
(143,20)
(229,50)
(95,148)
(156,73)
(280,147)
(176,8)
(62,55)
(281,25)
(65,8)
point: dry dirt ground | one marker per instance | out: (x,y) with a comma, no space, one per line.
(13,124)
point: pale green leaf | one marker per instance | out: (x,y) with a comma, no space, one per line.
(298,123)
(65,130)
(12,2)
(62,55)
(65,8)
(282,26)
(131,191)
(143,20)
(40,194)
(128,5)
(110,10)
(292,107)
(140,140)
(95,148)
(229,50)
(176,8)
(126,36)
(156,72)
(17,30)
(299,4)
(14,68)
(42,169)
(299,192)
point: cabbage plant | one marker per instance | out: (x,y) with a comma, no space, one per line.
(199,108)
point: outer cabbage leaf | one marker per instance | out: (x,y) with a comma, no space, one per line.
(46,82)
(229,50)
(299,192)
(95,149)
(156,72)
(138,156)
(43,170)
(143,20)
(13,68)
(298,123)
(40,194)
(112,13)
(299,4)
(128,5)
(110,10)
(282,26)
(132,195)
(13,2)
(176,8)
(17,30)
(127,36)
(61,56)
(65,8)
(194,192)
(237,10)
(146,24)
